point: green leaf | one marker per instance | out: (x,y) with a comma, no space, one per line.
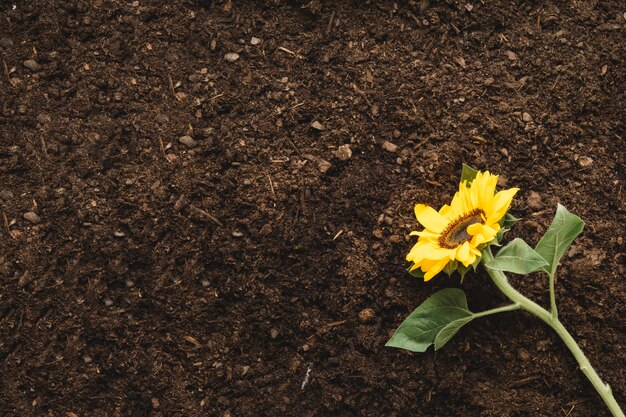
(451,267)
(417,273)
(449,331)
(508,221)
(468,174)
(420,329)
(561,233)
(517,257)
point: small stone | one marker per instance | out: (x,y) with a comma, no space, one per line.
(155,402)
(108,302)
(162,118)
(32,65)
(396,133)
(324,165)
(43,118)
(366,315)
(188,141)
(245,370)
(523,354)
(527,118)
(255,41)
(378,234)
(32,217)
(585,161)
(343,152)
(488,81)
(273,333)
(511,55)
(87,359)
(395,239)
(317,125)
(6,43)
(231,57)
(237,233)
(22,109)
(119,233)
(534,201)
(6,195)
(390,147)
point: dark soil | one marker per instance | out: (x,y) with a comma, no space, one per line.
(158,278)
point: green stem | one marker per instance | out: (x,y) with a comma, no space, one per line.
(552,320)
(553,309)
(510,307)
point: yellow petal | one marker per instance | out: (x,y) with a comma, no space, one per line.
(465,255)
(430,219)
(500,205)
(435,269)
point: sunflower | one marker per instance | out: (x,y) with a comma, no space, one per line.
(459,231)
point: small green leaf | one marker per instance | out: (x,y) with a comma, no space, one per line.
(419,330)
(468,174)
(517,257)
(417,272)
(508,221)
(561,233)
(450,267)
(449,331)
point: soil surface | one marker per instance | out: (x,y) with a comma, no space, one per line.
(206,205)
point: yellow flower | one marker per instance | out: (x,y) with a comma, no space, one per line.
(459,231)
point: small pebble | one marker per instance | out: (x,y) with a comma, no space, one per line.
(273,333)
(6,195)
(366,315)
(488,81)
(343,152)
(32,217)
(511,55)
(43,118)
(396,133)
(237,233)
(87,359)
(187,140)
(585,161)
(231,57)
(390,147)
(378,233)
(108,302)
(32,65)
(255,41)
(317,125)
(534,201)
(527,118)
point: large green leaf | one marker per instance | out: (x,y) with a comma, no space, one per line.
(420,329)
(561,233)
(517,257)
(468,174)
(449,331)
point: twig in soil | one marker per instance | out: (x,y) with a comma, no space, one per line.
(329,26)
(306,377)
(6,72)
(43,146)
(6,223)
(271,185)
(171,85)
(207,215)
(216,96)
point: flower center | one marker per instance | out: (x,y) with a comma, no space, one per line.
(456,232)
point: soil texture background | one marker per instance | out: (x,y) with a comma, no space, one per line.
(205,206)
